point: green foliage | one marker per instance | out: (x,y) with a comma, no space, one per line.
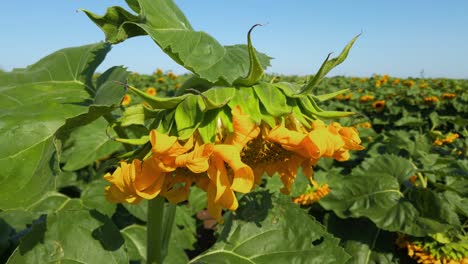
(51,240)
(36,102)
(279,232)
(169,28)
(62,126)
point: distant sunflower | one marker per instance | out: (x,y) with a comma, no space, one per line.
(127,99)
(379,105)
(151,91)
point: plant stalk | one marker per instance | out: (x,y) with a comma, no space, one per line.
(159,227)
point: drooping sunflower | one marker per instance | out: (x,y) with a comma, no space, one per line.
(224,134)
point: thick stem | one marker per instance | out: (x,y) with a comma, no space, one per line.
(159,227)
(154,230)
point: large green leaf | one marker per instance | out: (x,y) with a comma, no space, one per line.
(72,236)
(377,196)
(87,144)
(272,230)
(164,22)
(363,240)
(398,167)
(34,103)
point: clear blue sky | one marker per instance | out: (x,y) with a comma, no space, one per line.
(400,37)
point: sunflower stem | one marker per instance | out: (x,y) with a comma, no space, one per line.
(159,227)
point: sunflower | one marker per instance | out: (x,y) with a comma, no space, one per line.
(127,99)
(151,91)
(379,105)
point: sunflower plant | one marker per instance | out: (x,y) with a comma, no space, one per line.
(224,133)
(225,128)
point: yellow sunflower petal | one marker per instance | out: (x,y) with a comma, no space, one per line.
(197,160)
(244,129)
(243,175)
(149,180)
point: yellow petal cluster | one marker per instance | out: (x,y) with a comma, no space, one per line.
(234,163)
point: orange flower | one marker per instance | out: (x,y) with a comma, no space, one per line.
(304,149)
(366,98)
(158,71)
(172,76)
(240,177)
(166,149)
(448,96)
(408,83)
(151,91)
(379,105)
(365,125)
(132,182)
(127,99)
(312,196)
(431,99)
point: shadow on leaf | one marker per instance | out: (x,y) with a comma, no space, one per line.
(254,207)
(107,234)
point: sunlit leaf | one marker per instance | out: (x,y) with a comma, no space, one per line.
(35,103)
(273,230)
(197,51)
(87,144)
(94,239)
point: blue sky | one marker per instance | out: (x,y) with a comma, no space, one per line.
(400,37)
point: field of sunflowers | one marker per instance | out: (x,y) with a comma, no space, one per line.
(226,164)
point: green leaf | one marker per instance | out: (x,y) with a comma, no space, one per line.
(87,144)
(35,103)
(245,97)
(289,89)
(159,102)
(398,167)
(110,88)
(188,117)
(327,66)
(139,210)
(272,99)
(133,115)
(209,126)
(77,236)
(270,229)
(410,121)
(217,97)
(255,69)
(92,197)
(377,196)
(197,200)
(363,240)
(328,96)
(165,23)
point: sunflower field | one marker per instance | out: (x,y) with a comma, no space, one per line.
(227,164)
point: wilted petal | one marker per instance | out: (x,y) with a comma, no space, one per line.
(197,160)
(149,179)
(351,138)
(244,129)
(243,180)
(218,177)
